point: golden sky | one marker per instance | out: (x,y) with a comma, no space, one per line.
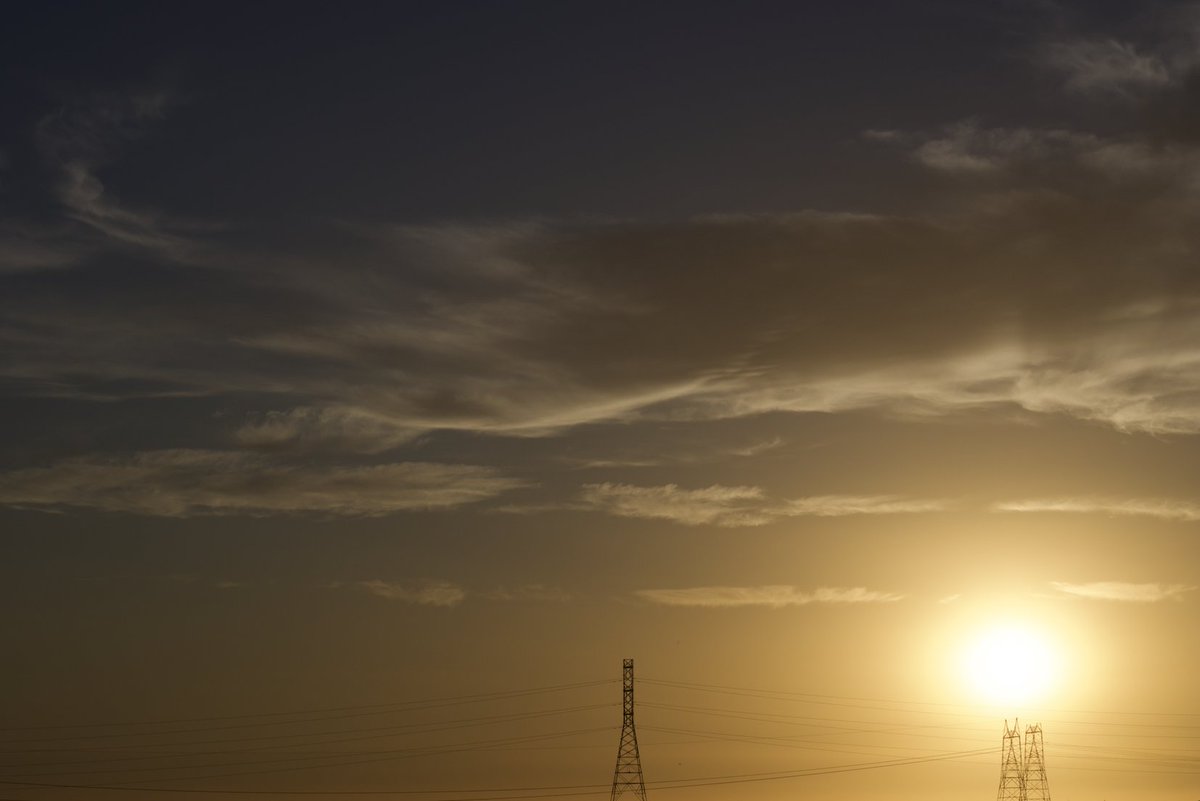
(376,381)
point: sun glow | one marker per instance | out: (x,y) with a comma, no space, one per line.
(1011,664)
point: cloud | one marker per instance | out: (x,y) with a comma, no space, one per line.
(1061,282)
(183,483)
(1107,66)
(330,428)
(840,505)
(1123,591)
(716,505)
(968,147)
(1165,509)
(587,323)
(423,593)
(734,506)
(774,596)
(755,448)
(1054,156)
(84,135)
(1158,80)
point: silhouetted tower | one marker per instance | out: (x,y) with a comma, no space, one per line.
(1034,773)
(1012,778)
(628,775)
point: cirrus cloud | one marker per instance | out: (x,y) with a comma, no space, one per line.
(1162,508)
(737,505)
(184,483)
(422,593)
(1123,591)
(774,596)
(1107,65)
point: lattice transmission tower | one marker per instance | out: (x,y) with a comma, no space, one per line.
(628,776)
(1012,777)
(1034,772)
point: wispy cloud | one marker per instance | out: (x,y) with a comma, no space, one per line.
(1163,508)
(1015,154)
(1106,65)
(717,505)
(774,596)
(839,505)
(82,136)
(182,483)
(333,428)
(524,349)
(423,593)
(968,147)
(527,328)
(1123,591)
(755,448)
(737,505)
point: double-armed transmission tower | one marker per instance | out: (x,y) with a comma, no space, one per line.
(628,776)
(1012,779)
(1023,770)
(1036,786)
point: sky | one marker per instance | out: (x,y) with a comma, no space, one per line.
(375,378)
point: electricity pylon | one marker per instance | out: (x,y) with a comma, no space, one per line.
(628,775)
(1012,778)
(1034,772)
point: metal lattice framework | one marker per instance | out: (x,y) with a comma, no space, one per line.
(1012,777)
(628,776)
(1034,772)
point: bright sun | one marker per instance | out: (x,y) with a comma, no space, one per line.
(1011,664)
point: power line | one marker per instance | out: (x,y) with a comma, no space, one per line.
(803,697)
(412,728)
(666,784)
(824,729)
(365,710)
(375,756)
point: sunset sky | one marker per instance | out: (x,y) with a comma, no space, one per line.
(376,377)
